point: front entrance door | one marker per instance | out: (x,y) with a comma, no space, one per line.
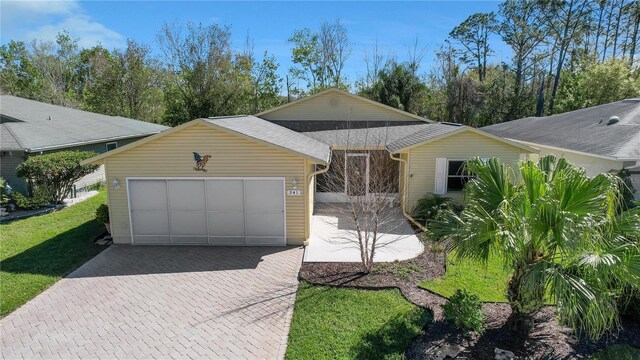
(357,174)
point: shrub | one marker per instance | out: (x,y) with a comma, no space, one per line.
(626,188)
(102,214)
(431,206)
(4,191)
(54,174)
(465,310)
(37,201)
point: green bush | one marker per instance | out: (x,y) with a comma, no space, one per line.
(4,191)
(54,174)
(465,310)
(431,206)
(102,214)
(37,201)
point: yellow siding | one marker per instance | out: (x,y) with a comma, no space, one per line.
(348,108)
(462,146)
(233,156)
(592,165)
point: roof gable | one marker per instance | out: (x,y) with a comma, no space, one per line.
(248,127)
(337,105)
(442,131)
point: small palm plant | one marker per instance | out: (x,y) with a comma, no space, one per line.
(563,235)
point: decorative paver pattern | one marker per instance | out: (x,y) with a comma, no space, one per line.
(162,302)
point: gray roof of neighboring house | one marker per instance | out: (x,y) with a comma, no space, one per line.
(34,126)
(584,130)
(257,128)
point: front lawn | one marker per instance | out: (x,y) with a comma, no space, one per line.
(488,281)
(342,323)
(38,251)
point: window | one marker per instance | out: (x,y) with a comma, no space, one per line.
(457,177)
(112,145)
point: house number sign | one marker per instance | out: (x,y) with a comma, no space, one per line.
(294,192)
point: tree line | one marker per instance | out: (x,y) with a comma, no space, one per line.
(565,55)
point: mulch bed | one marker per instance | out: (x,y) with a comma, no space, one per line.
(549,340)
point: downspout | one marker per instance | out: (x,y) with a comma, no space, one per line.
(311,175)
(404,191)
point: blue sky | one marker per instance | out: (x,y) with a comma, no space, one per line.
(395,25)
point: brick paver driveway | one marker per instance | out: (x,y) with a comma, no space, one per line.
(162,302)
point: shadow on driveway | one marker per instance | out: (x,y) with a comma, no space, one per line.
(121,260)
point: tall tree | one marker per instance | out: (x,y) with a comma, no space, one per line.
(203,79)
(336,49)
(520,28)
(57,63)
(473,34)
(319,57)
(18,76)
(398,87)
(565,19)
(266,83)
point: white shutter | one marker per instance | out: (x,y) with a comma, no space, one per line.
(441,176)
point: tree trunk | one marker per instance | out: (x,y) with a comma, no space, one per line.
(634,38)
(520,321)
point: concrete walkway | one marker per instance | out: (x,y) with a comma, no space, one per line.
(333,237)
(162,302)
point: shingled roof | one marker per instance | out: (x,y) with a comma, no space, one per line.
(266,131)
(31,126)
(610,130)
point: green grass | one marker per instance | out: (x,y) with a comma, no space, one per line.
(340,323)
(488,281)
(618,352)
(38,251)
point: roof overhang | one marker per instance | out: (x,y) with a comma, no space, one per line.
(89,142)
(575,151)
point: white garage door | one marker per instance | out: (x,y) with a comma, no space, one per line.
(219,211)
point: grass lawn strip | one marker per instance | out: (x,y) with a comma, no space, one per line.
(488,281)
(342,323)
(38,251)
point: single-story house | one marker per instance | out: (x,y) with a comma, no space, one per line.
(603,138)
(31,127)
(255,180)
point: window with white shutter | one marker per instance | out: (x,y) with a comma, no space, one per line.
(441,176)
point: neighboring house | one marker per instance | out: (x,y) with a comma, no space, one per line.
(603,138)
(30,128)
(254,180)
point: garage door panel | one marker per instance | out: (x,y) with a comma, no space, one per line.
(186,195)
(150,222)
(228,212)
(226,223)
(260,224)
(152,240)
(189,240)
(188,223)
(264,241)
(227,241)
(264,195)
(225,195)
(148,194)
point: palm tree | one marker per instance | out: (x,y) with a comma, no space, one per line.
(563,235)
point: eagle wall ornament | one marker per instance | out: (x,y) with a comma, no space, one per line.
(201,161)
